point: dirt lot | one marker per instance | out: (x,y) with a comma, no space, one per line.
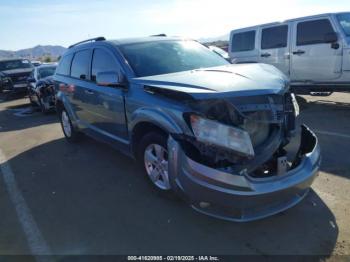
(87,198)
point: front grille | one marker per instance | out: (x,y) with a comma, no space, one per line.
(19,78)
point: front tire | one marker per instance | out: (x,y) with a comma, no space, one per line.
(153,159)
(69,131)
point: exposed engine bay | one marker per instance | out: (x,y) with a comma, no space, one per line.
(269,121)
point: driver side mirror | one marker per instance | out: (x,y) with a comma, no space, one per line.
(331,37)
(110,79)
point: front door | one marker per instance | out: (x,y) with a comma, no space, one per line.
(312,58)
(106,107)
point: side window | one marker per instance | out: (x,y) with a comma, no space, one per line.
(80,64)
(274,37)
(313,32)
(102,61)
(63,67)
(243,41)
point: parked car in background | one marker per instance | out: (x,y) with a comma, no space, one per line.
(40,72)
(220,52)
(4,82)
(14,74)
(212,132)
(40,89)
(36,63)
(313,51)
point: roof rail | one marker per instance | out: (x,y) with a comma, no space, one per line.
(100,38)
(159,35)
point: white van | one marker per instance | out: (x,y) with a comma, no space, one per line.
(313,51)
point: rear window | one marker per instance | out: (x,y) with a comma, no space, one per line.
(313,32)
(243,41)
(80,64)
(64,66)
(274,37)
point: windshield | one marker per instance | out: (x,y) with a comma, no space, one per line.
(14,64)
(344,21)
(163,57)
(46,71)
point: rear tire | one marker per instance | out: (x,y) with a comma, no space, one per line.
(69,131)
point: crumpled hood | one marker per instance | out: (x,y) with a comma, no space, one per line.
(240,79)
(18,71)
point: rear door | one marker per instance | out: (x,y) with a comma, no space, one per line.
(78,85)
(274,48)
(312,58)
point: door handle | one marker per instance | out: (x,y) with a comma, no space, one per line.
(89,92)
(335,45)
(299,52)
(265,55)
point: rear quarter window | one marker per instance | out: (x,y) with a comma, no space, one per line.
(244,41)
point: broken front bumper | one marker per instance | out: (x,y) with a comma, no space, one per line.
(238,197)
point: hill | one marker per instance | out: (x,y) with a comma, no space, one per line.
(214,39)
(36,52)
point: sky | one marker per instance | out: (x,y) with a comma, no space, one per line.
(27,23)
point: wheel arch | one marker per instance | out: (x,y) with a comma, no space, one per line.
(149,120)
(61,102)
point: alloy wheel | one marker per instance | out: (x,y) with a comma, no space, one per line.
(67,128)
(156,164)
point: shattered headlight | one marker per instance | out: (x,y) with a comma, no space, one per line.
(213,132)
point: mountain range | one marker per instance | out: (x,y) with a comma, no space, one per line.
(36,52)
(54,51)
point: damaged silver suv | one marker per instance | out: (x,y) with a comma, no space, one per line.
(214,133)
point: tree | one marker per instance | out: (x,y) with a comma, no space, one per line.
(47,59)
